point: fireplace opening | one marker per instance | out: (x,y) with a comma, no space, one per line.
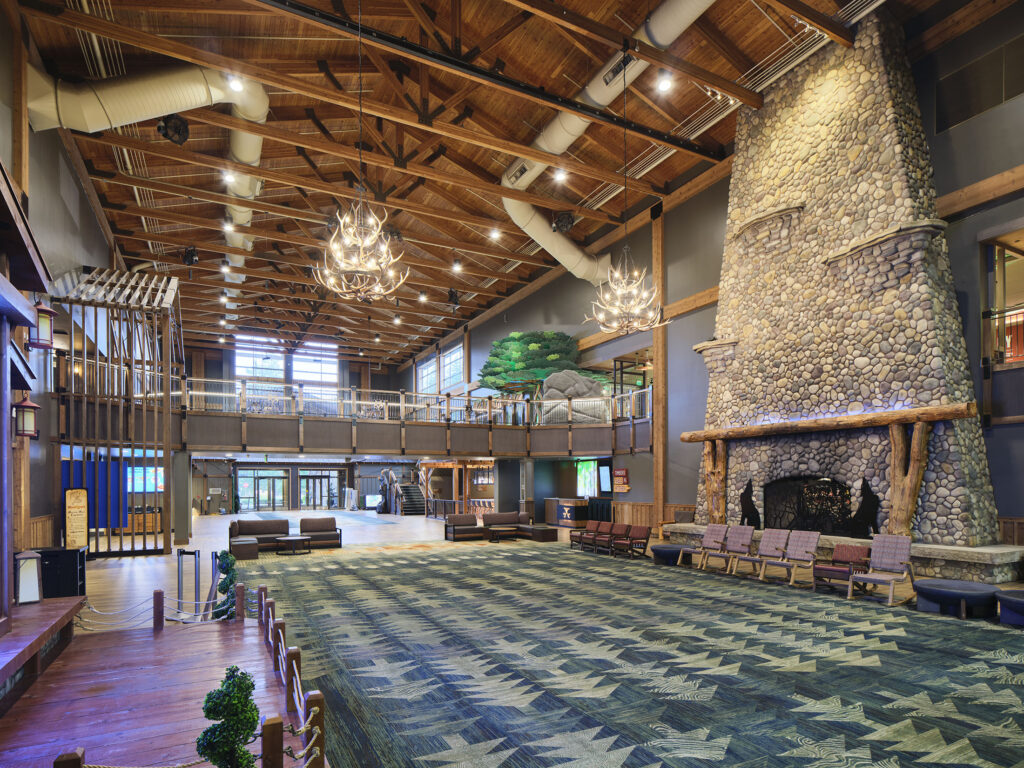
(810,503)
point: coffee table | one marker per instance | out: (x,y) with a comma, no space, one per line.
(293,542)
(497,531)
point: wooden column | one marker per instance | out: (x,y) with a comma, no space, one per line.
(715,454)
(6,519)
(907,462)
(659,413)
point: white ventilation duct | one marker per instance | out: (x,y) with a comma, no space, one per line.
(661,28)
(108,104)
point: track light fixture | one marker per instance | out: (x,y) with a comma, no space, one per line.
(457,265)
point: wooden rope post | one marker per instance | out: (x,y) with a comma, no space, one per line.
(292,668)
(277,638)
(315,700)
(907,462)
(74,759)
(239,602)
(158,610)
(272,743)
(261,601)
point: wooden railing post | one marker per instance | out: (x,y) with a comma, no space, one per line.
(315,700)
(158,610)
(239,601)
(272,743)
(242,398)
(276,639)
(261,600)
(300,402)
(74,759)
(292,676)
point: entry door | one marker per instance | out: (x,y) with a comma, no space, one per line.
(271,493)
(311,493)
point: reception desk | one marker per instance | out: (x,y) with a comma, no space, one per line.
(566,513)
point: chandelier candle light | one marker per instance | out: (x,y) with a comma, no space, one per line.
(625,303)
(358,262)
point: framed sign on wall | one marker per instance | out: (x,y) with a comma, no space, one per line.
(620,479)
(76,518)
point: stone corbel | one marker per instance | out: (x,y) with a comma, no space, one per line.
(780,215)
(928,228)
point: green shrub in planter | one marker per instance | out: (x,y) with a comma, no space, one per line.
(226,586)
(223,743)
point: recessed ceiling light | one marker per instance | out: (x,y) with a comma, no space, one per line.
(560,175)
(236,84)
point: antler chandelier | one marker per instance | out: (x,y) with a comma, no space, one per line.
(358,262)
(625,303)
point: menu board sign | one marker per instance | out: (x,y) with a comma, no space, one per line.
(620,481)
(76,518)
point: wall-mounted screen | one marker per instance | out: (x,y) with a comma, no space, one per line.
(144,480)
(604,474)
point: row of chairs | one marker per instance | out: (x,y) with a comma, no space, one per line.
(612,538)
(887,563)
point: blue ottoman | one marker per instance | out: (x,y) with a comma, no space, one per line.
(1011,607)
(956,598)
(667,554)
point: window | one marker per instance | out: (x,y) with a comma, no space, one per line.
(451,366)
(258,358)
(316,363)
(586,478)
(426,375)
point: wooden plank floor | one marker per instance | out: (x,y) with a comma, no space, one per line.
(135,698)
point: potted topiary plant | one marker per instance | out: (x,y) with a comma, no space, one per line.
(226,586)
(223,743)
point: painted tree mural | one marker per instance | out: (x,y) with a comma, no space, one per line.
(522,360)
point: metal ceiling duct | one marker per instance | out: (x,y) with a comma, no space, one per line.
(660,29)
(103,105)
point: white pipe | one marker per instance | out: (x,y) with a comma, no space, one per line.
(661,28)
(107,104)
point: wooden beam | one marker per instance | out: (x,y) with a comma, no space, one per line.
(492,79)
(380,160)
(287,179)
(19,113)
(981,192)
(809,15)
(830,423)
(498,35)
(558,14)
(723,46)
(55,14)
(961,21)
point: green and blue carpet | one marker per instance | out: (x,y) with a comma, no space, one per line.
(528,655)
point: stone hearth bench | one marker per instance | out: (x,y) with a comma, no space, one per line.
(992,564)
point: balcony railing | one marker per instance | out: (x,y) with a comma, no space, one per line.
(280,399)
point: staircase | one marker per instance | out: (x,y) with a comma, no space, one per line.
(412,500)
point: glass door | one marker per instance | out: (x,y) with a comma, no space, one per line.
(271,493)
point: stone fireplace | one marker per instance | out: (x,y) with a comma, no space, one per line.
(836,295)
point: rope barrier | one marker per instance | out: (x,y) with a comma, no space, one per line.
(305,726)
(92,608)
(170,599)
(290,751)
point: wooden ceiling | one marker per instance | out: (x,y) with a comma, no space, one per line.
(435,143)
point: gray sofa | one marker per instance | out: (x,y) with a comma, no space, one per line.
(460,527)
(322,531)
(265,532)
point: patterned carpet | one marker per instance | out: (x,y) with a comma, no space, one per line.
(525,654)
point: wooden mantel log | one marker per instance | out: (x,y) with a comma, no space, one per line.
(851,421)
